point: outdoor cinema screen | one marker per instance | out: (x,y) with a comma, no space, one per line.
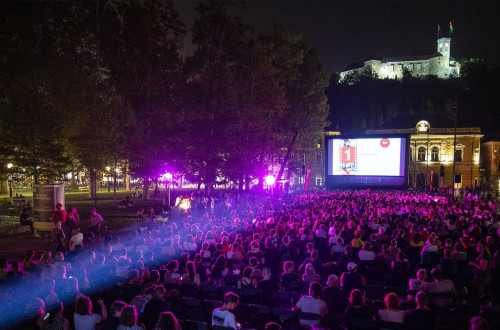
(366,160)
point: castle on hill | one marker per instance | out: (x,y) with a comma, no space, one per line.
(440,64)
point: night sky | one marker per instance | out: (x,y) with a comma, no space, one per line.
(347,32)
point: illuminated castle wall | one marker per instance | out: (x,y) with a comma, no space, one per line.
(439,64)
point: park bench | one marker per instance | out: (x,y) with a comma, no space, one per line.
(82,189)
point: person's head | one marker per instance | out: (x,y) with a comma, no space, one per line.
(59,272)
(315,289)
(391,301)
(367,246)
(266,273)
(481,246)
(479,323)
(133,276)
(159,291)
(310,269)
(172,265)
(422,274)
(35,308)
(83,305)
(421,299)
(356,298)
(272,326)
(58,206)
(333,281)
(253,262)
(168,321)
(352,267)
(447,253)
(288,266)
(129,316)
(149,292)
(231,300)
(437,274)
(117,307)
(247,272)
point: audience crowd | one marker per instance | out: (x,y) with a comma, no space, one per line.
(342,259)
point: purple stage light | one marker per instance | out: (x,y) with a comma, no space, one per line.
(269,180)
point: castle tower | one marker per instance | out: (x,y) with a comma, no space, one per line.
(443,46)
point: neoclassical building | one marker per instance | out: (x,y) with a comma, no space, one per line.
(431,151)
(440,64)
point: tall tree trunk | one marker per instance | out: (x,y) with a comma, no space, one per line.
(127,178)
(145,191)
(92,184)
(4,186)
(287,156)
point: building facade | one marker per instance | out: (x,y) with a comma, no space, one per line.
(440,64)
(431,154)
(490,165)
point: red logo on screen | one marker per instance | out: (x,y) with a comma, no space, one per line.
(384,143)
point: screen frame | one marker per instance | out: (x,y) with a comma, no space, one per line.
(329,178)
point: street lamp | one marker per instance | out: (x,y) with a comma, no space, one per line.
(9,166)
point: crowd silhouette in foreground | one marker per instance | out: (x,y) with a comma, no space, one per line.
(333,260)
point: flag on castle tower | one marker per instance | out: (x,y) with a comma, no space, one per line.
(451,28)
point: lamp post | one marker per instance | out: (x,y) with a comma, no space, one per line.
(169,177)
(9,166)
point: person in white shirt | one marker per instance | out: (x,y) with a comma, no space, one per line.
(222,316)
(366,254)
(392,312)
(76,239)
(311,304)
(419,283)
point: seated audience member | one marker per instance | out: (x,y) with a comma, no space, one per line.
(440,286)
(154,307)
(366,253)
(191,276)
(268,283)
(448,264)
(312,304)
(288,275)
(167,321)
(392,312)
(334,296)
(352,279)
(223,316)
(420,317)
(113,320)
(357,314)
(84,318)
(272,326)
(419,283)
(247,282)
(479,323)
(310,274)
(128,319)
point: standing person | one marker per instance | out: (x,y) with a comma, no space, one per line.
(222,316)
(72,222)
(59,215)
(481,268)
(84,318)
(95,221)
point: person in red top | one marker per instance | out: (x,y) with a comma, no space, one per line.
(60,215)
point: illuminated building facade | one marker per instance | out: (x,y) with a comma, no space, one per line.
(439,64)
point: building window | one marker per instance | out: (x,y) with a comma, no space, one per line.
(421,154)
(318,182)
(458,155)
(399,67)
(410,66)
(435,154)
(458,178)
(419,66)
(318,159)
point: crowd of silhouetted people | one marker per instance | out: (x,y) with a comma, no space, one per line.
(323,260)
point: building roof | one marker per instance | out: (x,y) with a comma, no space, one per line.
(410,58)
